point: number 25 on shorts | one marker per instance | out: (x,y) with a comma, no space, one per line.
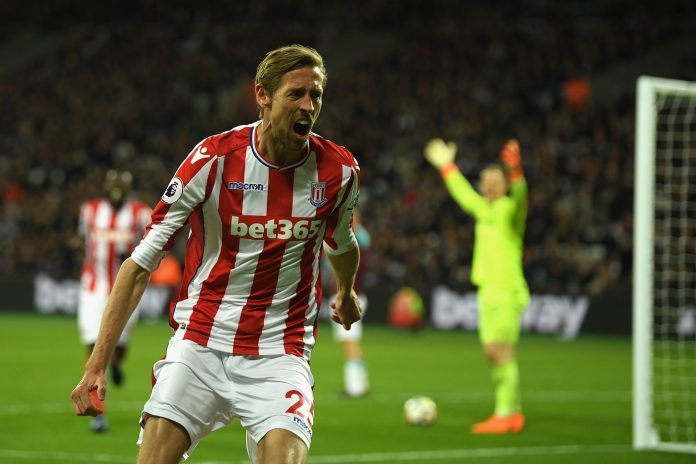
(296,407)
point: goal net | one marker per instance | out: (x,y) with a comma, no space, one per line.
(664,275)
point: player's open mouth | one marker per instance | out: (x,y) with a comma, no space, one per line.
(301,128)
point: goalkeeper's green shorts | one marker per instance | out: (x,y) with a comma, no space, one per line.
(500,313)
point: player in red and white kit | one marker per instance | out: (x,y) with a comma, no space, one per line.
(261,200)
(109,228)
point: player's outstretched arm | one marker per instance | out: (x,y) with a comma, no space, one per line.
(129,286)
(511,156)
(440,153)
(346,307)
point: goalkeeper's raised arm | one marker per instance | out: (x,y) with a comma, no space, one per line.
(511,157)
(441,155)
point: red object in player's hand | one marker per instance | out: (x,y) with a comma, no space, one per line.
(99,404)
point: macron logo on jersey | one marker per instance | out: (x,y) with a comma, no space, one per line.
(199,155)
(244,186)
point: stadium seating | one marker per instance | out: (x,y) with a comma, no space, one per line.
(137,91)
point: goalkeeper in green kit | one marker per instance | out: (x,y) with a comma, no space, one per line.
(497,268)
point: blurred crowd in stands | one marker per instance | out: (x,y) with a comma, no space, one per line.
(138,88)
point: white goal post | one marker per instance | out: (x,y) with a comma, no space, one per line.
(664,266)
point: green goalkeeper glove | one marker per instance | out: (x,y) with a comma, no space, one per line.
(439,153)
(511,156)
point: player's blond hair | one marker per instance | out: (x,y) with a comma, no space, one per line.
(281,61)
(499,167)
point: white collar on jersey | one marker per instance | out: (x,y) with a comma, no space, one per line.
(265,162)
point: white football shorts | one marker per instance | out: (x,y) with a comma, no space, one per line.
(90,310)
(203,390)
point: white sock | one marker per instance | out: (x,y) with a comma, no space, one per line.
(355,378)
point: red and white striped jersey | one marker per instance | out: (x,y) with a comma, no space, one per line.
(252,281)
(110,235)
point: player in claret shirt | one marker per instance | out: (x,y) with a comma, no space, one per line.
(261,200)
(109,228)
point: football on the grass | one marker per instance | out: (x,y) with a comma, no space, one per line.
(420,410)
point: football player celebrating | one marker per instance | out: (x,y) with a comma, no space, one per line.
(260,200)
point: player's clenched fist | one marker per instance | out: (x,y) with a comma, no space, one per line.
(346,309)
(440,153)
(88,397)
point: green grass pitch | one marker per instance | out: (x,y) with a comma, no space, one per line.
(576,395)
